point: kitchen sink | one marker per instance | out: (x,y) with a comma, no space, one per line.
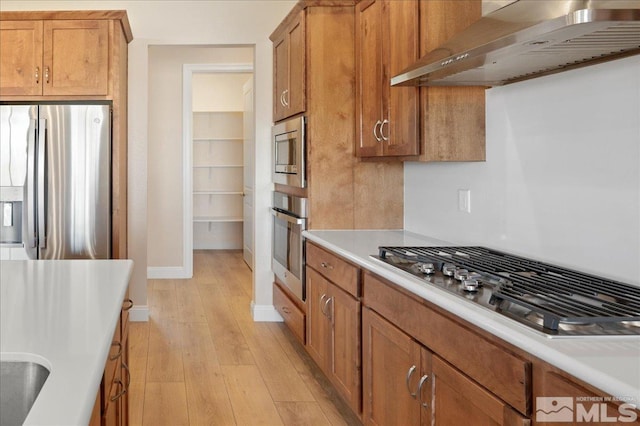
(20,384)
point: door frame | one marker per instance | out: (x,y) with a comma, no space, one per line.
(187,149)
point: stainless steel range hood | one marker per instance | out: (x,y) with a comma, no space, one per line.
(527,39)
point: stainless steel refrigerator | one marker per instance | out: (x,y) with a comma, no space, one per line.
(55,179)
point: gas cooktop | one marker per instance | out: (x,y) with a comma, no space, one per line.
(556,301)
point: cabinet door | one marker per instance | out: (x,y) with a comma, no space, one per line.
(280,76)
(401,46)
(289,71)
(76,57)
(344,358)
(317,319)
(392,371)
(458,400)
(369,78)
(387,41)
(21,57)
(296,96)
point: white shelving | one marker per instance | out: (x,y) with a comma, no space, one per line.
(217,179)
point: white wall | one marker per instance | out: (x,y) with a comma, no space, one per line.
(165,160)
(219,92)
(562,178)
(190,22)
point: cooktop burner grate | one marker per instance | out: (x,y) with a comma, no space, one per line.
(558,295)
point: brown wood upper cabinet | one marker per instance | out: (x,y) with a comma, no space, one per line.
(54,57)
(289,69)
(386,42)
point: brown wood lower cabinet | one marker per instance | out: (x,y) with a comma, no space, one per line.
(421,365)
(405,383)
(392,369)
(333,335)
(112,401)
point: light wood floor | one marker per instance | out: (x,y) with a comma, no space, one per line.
(201,360)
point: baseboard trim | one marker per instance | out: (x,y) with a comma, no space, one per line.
(167,273)
(265,313)
(139,313)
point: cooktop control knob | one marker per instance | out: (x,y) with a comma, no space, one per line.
(426,268)
(460,274)
(448,269)
(470,285)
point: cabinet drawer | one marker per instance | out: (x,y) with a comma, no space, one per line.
(293,317)
(492,366)
(336,270)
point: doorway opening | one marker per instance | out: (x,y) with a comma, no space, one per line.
(218,159)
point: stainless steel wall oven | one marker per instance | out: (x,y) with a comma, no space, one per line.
(289,220)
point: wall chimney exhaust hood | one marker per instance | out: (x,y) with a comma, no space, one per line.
(528,39)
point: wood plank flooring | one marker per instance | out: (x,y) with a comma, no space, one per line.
(201,360)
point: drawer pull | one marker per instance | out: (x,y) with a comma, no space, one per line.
(127,304)
(409,374)
(326,265)
(286,310)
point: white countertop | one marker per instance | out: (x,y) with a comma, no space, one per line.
(62,314)
(611,364)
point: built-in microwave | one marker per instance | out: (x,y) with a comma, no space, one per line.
(289,152)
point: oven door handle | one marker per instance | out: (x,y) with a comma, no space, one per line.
(288,218)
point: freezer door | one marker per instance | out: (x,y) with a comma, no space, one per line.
(14,129)
(73,178)
(18,126)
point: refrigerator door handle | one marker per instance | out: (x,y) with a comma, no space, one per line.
(31,201)
(42,184)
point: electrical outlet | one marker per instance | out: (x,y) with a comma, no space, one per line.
(464,200)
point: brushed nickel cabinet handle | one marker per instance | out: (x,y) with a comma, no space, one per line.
(326,304)
(423,379)
(375,131)
(324,296)
(37,75)
(46,75)
(385,121)
(118,382)
(412,369)
(286,310)
(116,356)
(125,367)
(285,97)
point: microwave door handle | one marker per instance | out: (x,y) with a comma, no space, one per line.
(288,218)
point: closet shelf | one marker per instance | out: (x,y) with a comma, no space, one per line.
(213,219)
(217,139)
(218,193)
(218,166)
